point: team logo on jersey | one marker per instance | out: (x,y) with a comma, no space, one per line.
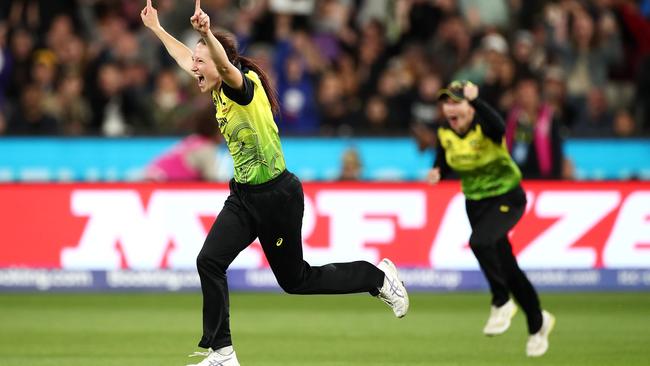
(279,242)
(222,122)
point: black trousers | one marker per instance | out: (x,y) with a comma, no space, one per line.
(273,212)
(491,220)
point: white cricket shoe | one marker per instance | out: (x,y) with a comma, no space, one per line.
(500,317)
(393,292)
(538,343)
(214,358)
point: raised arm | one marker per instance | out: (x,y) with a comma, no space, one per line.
(491,122)
(177,50)
(230,74)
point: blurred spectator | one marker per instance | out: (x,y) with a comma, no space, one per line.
(109,117)
(376,117)
(481,13)
(5,72)
(595,118)
(451,48)
(533,135)
(72,55)
(3,122)
(44,71)
(642,97)
(334,110)
(568,169)
(192,159)
(392,89)
(69,106)
(346,68)
(424,108)
(118,108)
(624,125)
(334,61)
(497,73)
(528,55)
(585,48)
(169,105)
(372,56)
(297,99)
(295,91)
(636,26)
(19,60)
(37,16)
(422,18)
(350,165)
(60,32)
(30,118)
(554,93)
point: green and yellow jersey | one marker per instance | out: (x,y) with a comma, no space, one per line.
(246,122)
(479,157)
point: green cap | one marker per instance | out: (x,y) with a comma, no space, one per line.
(454,91)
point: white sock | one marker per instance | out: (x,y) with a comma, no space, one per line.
(225,351)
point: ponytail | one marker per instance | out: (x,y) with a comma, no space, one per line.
(229,44)
(271,93)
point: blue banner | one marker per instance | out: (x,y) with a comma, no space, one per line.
(103,159)
(259,280)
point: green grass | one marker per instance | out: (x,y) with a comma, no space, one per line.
(277,329)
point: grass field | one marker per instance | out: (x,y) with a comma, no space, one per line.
(276,329)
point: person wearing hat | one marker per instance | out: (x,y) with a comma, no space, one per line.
(471,143)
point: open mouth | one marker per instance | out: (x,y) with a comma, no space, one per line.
(453,119)
(201,80)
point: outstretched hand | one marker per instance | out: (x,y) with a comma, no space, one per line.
(149,16)
(200,20)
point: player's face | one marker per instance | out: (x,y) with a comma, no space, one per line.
(204,69)
(458,114)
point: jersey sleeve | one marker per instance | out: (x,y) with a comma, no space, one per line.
(243,96)
(441,160)
(491,122)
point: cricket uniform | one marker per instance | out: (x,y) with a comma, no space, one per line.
(495,201)
(265,201)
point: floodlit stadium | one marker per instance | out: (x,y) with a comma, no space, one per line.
(233,180)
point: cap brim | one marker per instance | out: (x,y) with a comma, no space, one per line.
(444,94)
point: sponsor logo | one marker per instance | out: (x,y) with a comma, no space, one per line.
(137,227)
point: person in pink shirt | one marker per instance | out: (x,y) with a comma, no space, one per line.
(194,158)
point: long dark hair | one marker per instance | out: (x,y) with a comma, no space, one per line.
(229,44)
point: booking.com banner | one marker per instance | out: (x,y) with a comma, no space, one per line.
(573,236)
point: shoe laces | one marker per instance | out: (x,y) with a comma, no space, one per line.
(204,354)
(208,353)
(393,289)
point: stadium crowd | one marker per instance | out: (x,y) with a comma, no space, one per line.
(341,67)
